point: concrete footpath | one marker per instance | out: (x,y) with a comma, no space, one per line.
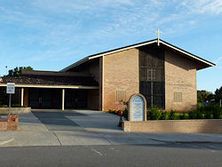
(83,127)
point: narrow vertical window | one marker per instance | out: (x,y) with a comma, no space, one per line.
(152,80)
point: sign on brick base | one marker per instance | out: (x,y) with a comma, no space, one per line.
(137,108)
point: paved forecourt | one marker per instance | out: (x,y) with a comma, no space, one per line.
(85,127)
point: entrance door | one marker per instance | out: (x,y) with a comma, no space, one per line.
(76,99)
(45,98)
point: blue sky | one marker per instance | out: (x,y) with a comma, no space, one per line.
(49,34)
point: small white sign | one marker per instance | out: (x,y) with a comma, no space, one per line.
(10,88)
(137,108)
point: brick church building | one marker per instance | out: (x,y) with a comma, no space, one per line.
(162,72)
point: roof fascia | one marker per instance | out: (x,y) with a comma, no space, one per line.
(75,64)
(187,53)
(107,53)
(52,86)
(136,46)
(123,49)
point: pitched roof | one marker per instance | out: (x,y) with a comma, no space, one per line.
(51,78)
(54,73)
(161,42)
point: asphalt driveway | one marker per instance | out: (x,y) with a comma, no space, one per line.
(78,120)
(57,121)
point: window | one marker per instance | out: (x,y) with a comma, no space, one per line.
(152,80)
(147,74)
(151,75)
(177,96)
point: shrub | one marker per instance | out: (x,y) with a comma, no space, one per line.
(172,115)
(206,112)
(183,115)
(217,112)
(164,116)
(208,115)
(192,115)
(196,114)
(155,114)
(167,115)
(201,112)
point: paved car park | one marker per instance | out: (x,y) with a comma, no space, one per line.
(86,127)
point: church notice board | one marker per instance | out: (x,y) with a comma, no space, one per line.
(137,108)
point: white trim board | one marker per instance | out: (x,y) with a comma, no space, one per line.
(53,86)
(148,43)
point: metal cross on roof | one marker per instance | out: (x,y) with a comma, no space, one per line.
(158,32)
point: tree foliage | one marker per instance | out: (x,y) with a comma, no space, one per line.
(218,94)
(18,70)
(204,96)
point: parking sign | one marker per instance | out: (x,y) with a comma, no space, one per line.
(10,88)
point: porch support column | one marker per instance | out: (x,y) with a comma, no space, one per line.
(22,97)
(63,99)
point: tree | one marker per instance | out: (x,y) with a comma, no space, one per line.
(203,96)
(18,70)
(218,94)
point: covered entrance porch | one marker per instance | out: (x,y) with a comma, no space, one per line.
(52,90)
(53,97)
(61,97)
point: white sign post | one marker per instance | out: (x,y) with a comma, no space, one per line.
(10,89)
(137,108)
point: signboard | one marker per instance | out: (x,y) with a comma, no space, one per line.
(137,108)
(10,88)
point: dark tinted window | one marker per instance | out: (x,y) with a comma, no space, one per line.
(152,81)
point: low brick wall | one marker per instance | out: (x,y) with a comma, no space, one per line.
(15,110)
(9,123)
(175,126)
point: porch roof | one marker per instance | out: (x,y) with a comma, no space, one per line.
(51,81)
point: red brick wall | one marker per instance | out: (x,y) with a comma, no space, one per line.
(180,77)
(121,73)
(174,126)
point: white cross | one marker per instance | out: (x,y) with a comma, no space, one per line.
(158,32)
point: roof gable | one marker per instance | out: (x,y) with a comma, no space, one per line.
(160,42)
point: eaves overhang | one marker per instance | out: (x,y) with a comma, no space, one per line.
(160,42)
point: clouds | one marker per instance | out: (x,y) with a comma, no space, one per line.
(49,29)
(106,17)
(213,7)
(70,6)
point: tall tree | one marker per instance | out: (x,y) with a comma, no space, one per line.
(203,96)
(218,94)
